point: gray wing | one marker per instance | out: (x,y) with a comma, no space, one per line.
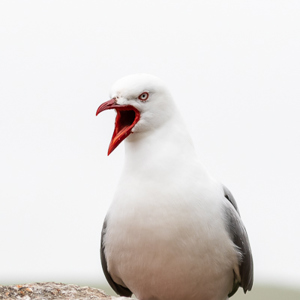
(239,236)
(119,289)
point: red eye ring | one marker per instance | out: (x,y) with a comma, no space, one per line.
(144,96)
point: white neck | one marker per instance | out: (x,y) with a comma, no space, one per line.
(163,146)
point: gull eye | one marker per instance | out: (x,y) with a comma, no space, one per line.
(144,96)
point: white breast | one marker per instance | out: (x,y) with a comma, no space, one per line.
(166,238)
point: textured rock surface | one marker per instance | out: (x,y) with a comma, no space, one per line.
(52,290)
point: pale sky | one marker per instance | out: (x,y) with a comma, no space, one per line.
(233,68)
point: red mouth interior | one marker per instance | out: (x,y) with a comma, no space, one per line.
(127,117)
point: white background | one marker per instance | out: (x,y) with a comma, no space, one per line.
(233,68)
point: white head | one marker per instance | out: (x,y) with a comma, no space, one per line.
(142,103)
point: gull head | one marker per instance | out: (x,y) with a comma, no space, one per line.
(142,103)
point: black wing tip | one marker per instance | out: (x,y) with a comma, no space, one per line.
(248,288)
(247,272)
(122,291)
(241,240)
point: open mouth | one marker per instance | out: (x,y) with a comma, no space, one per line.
(127,117)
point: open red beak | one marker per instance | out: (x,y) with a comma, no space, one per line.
(127,117)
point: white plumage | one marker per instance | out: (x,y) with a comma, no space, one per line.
(172,231)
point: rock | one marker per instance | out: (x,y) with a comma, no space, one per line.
(52,290)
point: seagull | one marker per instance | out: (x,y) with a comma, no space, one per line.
(172,231)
